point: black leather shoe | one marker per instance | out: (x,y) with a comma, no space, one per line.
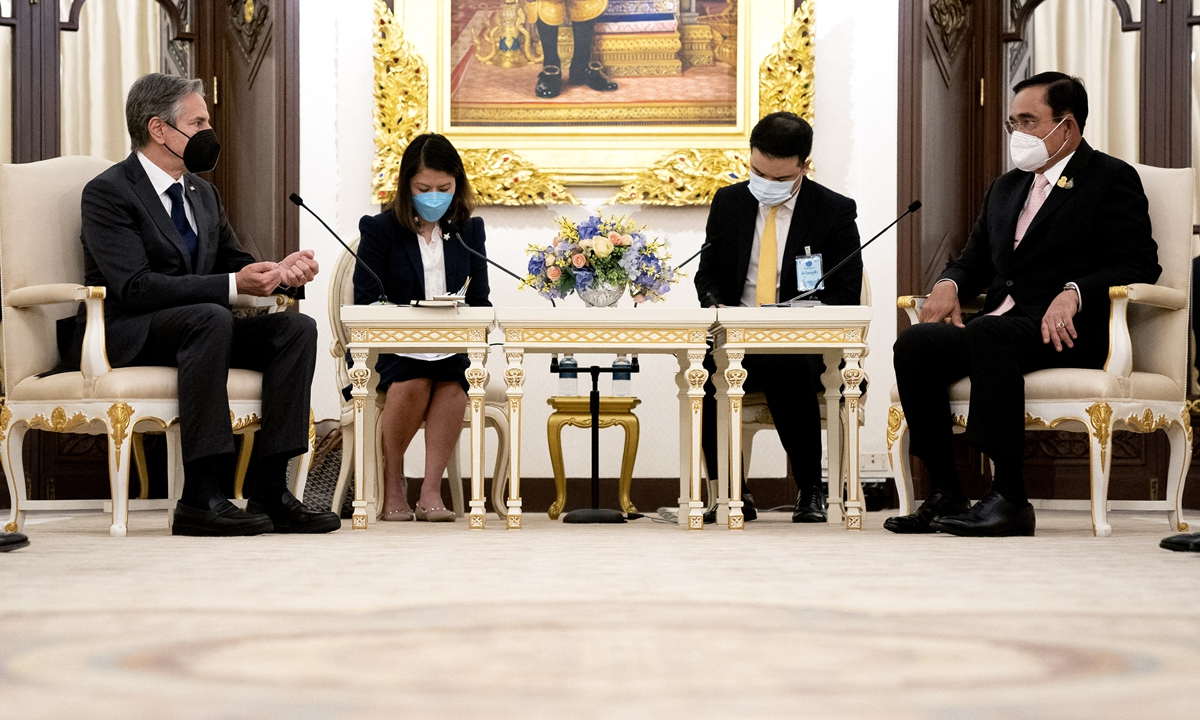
(593,77)
(221,519)
(12,541)
(549,82)
(937,504)
(992,516)
(749,511)
(291,516)
(810,506)
(1188,542)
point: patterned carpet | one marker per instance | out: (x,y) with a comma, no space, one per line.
(640,620)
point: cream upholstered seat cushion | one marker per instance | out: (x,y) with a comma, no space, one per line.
(1077,384)
(129,384)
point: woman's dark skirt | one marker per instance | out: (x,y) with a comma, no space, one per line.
(393,368)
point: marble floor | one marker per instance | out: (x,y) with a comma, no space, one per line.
(640,620)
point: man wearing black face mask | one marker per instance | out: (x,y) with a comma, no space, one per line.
(156,236)
(782,215)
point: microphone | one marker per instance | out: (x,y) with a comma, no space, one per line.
(912,208)
(382,293)
(449,227)
(703,247)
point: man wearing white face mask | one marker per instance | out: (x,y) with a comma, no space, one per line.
(767,240)
(1053,235)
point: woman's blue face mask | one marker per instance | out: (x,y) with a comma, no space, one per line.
(432,205)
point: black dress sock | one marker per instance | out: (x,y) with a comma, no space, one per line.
(270,479)
(943,475)
(201,482)
(549,37)
(584,33)
(1010,483)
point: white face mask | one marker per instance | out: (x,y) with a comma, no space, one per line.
(1028,152)
(772,192)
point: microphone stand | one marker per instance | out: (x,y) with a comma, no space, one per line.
(449,227)
(296,200)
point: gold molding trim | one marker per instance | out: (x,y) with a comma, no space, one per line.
(692,177)
(1100,415)
(658,336)
(240,424)
(1118,292)
(118,419)
(1146,422)
(58,422)
(959,420)
(419,335)
(895,418)
(499,177)
(5,419)
(785,335)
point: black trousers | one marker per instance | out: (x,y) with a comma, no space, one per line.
(791,384)
(204,341)
(995,352)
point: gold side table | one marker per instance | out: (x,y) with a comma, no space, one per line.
(575,410)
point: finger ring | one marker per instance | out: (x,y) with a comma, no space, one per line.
(1061,325)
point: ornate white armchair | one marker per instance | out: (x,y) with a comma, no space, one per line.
(1143,386)
(341,292)
(41,263)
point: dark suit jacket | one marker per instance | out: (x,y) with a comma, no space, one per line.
(822,220)
(1096,234)
(131,247)
(391,250)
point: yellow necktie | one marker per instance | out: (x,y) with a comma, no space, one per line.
(764,292)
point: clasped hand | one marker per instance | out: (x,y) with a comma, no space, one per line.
(1057,325)
(262,278)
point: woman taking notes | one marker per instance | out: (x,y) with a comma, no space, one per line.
(412,246)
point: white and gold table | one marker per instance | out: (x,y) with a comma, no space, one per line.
(644,330)
(391,328)
(839,334)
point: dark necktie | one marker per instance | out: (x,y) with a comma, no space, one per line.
(179,217)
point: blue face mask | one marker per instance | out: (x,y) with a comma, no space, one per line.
(432,205)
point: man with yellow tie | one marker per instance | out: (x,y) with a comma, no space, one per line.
(767,240)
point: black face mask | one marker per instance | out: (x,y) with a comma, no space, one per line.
(202,150)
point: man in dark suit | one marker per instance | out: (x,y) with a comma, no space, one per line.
(156,236)
(781,215)
(1053,235)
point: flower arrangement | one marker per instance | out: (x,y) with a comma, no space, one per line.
(601,253)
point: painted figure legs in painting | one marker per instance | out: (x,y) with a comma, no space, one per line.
(550,14)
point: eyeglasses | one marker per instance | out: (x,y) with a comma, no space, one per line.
(1027,126)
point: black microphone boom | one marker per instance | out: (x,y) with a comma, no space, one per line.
(382,293)
(451,229)
(703,247)
(914,206)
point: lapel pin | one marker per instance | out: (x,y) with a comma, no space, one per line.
(192,188)
(1065,183)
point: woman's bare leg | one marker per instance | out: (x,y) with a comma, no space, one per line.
(443,425)
(403,412)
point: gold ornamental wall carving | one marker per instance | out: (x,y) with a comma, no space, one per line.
(502,175)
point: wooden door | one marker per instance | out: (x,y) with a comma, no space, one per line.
(247,55)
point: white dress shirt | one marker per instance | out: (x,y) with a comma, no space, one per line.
(783,223)
(1052,174)
(433,258)
(162,182)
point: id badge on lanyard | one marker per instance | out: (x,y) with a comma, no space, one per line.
(809,269)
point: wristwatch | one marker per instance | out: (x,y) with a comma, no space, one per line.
(1078,294)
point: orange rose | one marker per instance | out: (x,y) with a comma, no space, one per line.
(578,260)
(614,238)
(553,273)
(623,240)
(555,241)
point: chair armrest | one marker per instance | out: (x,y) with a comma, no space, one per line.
(1120,344)
(911,305)
(1145,294)
(273,303)
(52,294)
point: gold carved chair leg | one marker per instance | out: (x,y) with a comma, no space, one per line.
(554,427)
(243,464)
(628,421)
(139,462)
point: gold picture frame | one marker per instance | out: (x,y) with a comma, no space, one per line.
(534,165)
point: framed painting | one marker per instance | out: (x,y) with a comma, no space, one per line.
(655,96)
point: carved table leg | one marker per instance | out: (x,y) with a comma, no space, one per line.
(852,377)
(629,422)
(696,377)
(360,374)
(834,433)
(477,379)
(734,378)
(514,381)
(554,428)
